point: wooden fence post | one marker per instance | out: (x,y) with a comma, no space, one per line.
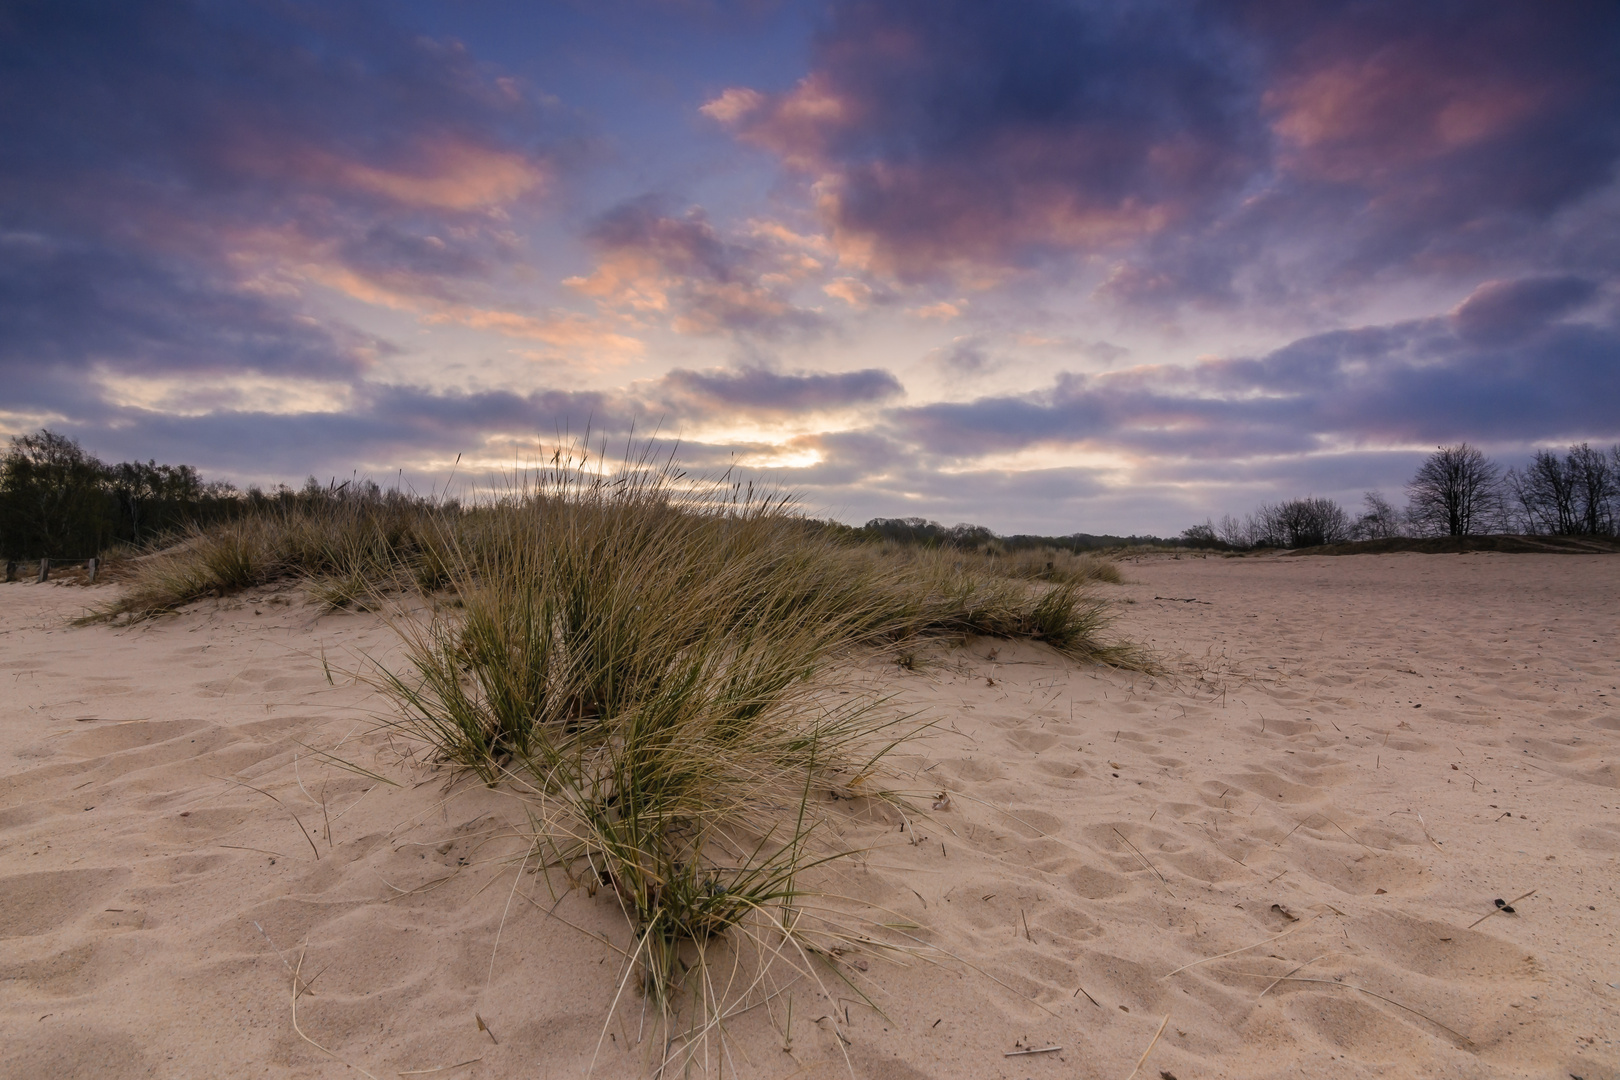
(92,565)
(11,569)
(44,570)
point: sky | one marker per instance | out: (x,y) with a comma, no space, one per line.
(1049,266)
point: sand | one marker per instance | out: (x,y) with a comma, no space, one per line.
(1349,761)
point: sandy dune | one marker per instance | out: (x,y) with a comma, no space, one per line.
(1353,758)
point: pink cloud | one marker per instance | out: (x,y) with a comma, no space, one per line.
(683,270)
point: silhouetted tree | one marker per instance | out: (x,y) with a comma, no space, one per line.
(51,500)
(60,502)
(1201,535)
(930,533)
(1301,523)
(1379,520)
(1545,492)
(1295,523)
(1571,495)
(1232,532)
(1597,486)
(1458,491)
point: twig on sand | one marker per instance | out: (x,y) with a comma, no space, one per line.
(441,1068)
(1295,971)
(1150,1047)
(1464,1040)
(1504,907)
(1144,859)
(284,806)
(1352,839)
(1036,1050)
(260,850)
(295,994)
(1234,952)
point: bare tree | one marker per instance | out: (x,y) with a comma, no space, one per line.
(1573,495)
(1597,488)
(1233,532)
(1458,491)
(1545,493)
(1379,520)
(1298,523)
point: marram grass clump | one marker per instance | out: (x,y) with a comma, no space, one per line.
(651,661)
(347,542)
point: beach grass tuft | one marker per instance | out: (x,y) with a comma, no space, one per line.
(652,662)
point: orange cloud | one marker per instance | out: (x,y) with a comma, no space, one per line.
(733,104)
(944,311)
(852,291)
(440,174)
(795,125)
(467,178)
(1358,119)
(682,268)
(564,330)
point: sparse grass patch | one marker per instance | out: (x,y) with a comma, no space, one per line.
(1056,565)
(348,545)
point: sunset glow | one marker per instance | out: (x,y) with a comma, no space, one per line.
(1058,266)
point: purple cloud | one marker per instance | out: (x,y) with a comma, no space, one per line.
(652,263)
(1507,311)
(1215,151)
(942,132)
(1425,381)
(754,390)
(163,165)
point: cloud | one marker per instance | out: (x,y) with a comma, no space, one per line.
(1213,153)
(943,310)
(938,132)
(177,177)
(852,291)
(1419,383)
(189,192)
(570,334)
(443,174)
(258,106)
(1507,311)
(733,104)
(680,268)
(1439,136)
(964,356)
(70,305)
(757,391)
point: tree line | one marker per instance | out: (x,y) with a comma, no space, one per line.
(921,532)
(58,501)
(1457,491)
